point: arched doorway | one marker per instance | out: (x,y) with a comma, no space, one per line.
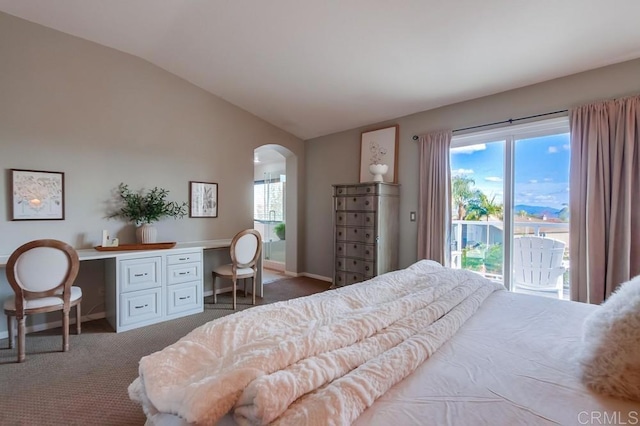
(275,206)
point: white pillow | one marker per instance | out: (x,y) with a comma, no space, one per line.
(611,344)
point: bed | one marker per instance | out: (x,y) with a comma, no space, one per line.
(425,345)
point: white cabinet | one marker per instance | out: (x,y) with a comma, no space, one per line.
(148,287)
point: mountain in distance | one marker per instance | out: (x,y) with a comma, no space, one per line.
(539,211)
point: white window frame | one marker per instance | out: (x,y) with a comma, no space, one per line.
(509,134)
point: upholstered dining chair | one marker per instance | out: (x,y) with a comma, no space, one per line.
(41,274)
(246,247)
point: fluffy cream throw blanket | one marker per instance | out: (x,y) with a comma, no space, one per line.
(323,358)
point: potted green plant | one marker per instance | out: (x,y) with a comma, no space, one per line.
(145,208)
(279,230)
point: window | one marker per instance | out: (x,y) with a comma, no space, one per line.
(508,183)
(268,199)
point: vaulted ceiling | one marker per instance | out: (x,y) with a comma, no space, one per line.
(320,66)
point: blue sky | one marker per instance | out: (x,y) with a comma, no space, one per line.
(541,169)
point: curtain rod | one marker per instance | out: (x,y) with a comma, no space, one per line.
(510,121)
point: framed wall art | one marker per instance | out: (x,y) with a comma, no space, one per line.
(379,155)
(37,195)
(203,198)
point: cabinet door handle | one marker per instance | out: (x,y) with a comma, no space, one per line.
(184,273)
(184,297)
(183,258)
(140,275)
(142,306)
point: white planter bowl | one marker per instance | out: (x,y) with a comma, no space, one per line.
(377,170)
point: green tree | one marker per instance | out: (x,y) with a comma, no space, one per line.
(462,194)
(483,207)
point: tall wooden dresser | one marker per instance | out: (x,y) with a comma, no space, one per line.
(366,231)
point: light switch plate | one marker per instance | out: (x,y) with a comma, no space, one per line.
(412,216)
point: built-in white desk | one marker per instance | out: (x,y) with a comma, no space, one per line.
(117,259)
(93,254)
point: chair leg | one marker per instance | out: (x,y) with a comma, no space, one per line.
(10,335)
(234,293)
(21,339)
(65,331)
(213,286)
(78,319)
(253,292)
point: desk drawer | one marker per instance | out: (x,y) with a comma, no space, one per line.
(140,274)
(184,297)
(140,306)
(176,259)
(182,273)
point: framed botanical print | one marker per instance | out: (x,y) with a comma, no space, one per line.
(203,198)
(379,155)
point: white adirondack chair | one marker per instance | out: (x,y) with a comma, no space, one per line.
(537,265)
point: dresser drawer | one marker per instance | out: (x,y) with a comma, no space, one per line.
(182,273)
(365,189)
(345,278)
(361,203)
(353,278)
(341,203)
(184,297)
(176,259)
(140,306)
(359,235)
(361,251)
(140,274)
(358,266)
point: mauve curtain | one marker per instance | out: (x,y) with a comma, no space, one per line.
(434,199)
(604,197)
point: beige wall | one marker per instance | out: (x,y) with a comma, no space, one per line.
(104,117)
(335,158)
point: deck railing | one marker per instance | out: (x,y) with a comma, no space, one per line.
(477,245)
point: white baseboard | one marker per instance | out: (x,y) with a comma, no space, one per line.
(317,277)
(55,324)
(275,266)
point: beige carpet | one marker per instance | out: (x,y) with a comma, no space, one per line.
(88,384)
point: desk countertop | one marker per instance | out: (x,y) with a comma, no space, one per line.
(93,254)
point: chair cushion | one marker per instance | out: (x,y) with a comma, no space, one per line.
(225,270)
(10,304)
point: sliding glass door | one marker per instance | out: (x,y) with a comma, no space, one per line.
(508,184)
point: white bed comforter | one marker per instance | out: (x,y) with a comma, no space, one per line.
(319,359)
